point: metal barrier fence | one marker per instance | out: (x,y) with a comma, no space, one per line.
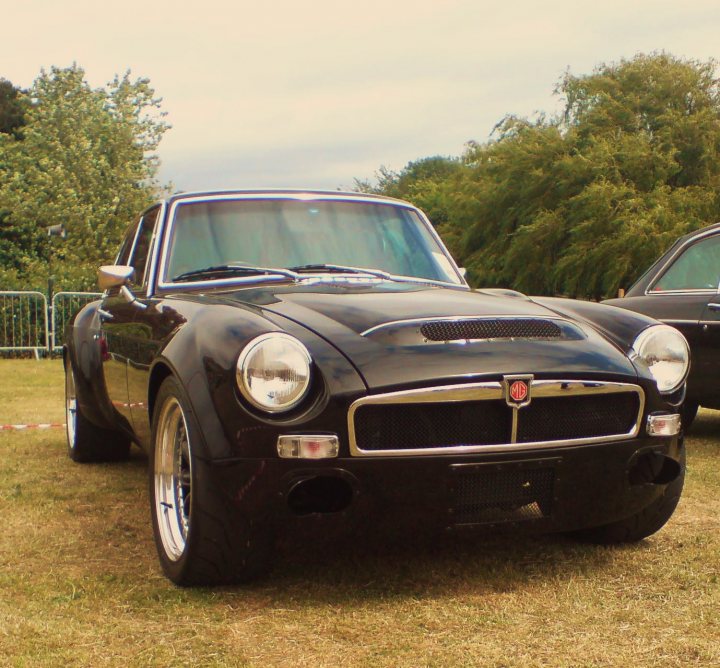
(28,325)
(62,307)
(23,321)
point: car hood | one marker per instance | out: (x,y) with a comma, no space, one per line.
(377,327)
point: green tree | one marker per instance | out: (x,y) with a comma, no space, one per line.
(85,160)
(12,108)
(582,203)
(12,118)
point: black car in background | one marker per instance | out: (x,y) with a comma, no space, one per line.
(682,289)
(293,359)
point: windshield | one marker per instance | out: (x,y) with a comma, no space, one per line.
(290,234)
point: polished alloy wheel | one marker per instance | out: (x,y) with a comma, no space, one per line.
(173,479)
(70,407)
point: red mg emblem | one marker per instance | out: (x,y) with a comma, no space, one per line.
(518,390)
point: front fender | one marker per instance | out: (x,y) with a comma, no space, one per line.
(203,356)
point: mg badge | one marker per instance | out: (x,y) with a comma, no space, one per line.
(517,390)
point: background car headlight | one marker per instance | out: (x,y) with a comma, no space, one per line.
(665,352)
(273,372)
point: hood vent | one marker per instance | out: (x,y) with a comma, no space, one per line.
(491,328)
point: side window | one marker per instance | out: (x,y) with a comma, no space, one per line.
(698,268)
(126,246)
(141,250)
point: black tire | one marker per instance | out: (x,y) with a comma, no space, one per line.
(643,524)
(199,538)
(688,412)
(87,442)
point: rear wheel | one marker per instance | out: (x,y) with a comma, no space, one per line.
(198,540)
(85,441)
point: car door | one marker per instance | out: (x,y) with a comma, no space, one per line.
(116,315)
(140,349)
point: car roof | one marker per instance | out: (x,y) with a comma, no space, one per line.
(289,192)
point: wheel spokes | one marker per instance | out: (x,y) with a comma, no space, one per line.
(173,479)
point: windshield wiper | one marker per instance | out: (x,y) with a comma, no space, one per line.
(222,270)
(342,269)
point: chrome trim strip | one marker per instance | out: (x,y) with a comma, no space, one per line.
(296,195)
(460,318)
(687,291)
(489,391)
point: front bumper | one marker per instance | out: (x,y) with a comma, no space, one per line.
(555,489)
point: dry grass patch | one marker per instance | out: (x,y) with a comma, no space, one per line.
(80,583)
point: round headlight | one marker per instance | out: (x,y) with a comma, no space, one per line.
(666,353)
(273,372)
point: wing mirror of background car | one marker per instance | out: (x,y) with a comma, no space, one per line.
(463,272)
(118,276)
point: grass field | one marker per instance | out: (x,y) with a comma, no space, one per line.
(80,584)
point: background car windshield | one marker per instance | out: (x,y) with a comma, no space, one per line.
(291,233)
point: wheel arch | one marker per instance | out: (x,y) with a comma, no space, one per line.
(159,373)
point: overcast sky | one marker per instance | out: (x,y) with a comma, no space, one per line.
(316,93)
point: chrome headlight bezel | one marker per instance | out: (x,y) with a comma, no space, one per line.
(649,348)
(244,366)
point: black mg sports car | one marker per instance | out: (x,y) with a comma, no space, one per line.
(292,357)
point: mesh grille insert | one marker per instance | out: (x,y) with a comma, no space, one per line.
(491,328)
(408,426)
(487,496)
(558,418)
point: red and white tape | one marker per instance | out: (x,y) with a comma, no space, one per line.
(23,427)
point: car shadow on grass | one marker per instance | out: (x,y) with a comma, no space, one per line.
(381,562)
(378,566)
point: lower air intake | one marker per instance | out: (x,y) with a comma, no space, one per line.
(484,495)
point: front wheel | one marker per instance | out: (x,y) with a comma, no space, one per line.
(198,542)
(688,413)
(643,524)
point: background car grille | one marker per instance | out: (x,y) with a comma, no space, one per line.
(405,426)
(485,495)
(490,328)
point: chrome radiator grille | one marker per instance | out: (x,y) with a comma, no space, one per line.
(477,418)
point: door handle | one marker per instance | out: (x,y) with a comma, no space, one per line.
(714,306)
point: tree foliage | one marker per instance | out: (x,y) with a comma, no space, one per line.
(85,159)
(12,108)
(581,203)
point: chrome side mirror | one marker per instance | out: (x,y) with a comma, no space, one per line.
(114,276)
(463,272)
(118,275)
